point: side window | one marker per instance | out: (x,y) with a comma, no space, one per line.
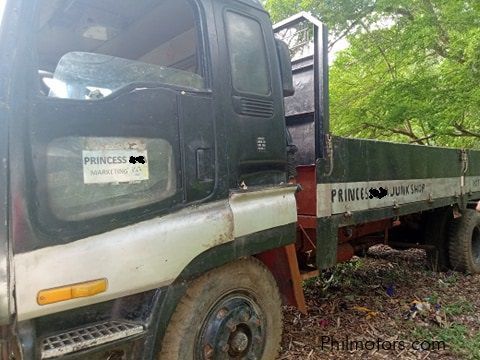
(248,59)
(90,177)
(89,49)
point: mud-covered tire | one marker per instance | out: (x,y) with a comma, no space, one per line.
(232,312)
(436,233)
(464,237)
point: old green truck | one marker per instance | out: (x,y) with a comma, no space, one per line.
(168,179)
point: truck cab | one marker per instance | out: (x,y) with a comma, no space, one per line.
(143,144)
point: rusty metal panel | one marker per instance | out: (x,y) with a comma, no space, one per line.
(306,198)
(283,264)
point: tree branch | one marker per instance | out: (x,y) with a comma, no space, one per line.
(462,131)
(382,52)
(411,135)
(342,35)
(441,47)
(426,138)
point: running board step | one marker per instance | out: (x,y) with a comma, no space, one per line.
(87,337)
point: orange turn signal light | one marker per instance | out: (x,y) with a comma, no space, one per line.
(70,292)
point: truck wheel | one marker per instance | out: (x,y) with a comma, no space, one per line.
(437,225)
(465,243)
(233,312)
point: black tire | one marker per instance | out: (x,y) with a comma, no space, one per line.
(465,243)
(232,312)
(437,225)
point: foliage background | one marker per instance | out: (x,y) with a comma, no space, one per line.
(411,72)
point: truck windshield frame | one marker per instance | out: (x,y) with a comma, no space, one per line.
(161,51)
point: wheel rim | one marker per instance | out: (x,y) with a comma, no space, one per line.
(233,329)
(476,244)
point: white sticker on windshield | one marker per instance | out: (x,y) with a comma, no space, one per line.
(114,166)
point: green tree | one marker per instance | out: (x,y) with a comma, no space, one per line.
(411,72)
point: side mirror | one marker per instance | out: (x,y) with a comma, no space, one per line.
(283,53)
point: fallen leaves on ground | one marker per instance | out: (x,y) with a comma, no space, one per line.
(385,298)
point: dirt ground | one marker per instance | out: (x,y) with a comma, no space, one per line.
(385,306)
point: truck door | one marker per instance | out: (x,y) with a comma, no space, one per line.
(118,131)
(122,126)
(254,101)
